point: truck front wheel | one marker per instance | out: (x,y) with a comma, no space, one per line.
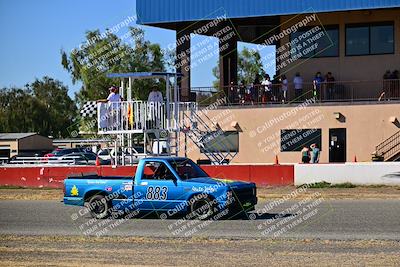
(202,209)
(99,207)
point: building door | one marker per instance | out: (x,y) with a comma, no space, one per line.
(337,145)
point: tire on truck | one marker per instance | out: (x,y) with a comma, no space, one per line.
(99,207)
(202,208)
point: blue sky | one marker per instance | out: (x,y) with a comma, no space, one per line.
(34,32)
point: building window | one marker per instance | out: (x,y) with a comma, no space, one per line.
(369,39)
(328,46)
(316,43)
(382,39)
(296,139)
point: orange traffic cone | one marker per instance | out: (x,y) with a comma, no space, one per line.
(276,159)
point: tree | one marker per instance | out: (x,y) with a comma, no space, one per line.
(42,106)
(107,53)
(249,65)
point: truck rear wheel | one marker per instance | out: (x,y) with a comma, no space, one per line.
(202,209)
(99,207)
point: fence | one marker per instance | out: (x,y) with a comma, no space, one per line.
(137,116)
(338,91)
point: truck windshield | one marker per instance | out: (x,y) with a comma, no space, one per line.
(187,169)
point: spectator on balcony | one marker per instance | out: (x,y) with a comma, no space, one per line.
(248,93)
(386,85)
(284,87)
(155,96)
(318,80)
(298,86)
(242,92)
(256,88)
(232,96)
(330,82)
(266,86)
(395,84)
(275,89)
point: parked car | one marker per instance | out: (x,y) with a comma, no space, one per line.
(52,153)
(132,156)
(78,158)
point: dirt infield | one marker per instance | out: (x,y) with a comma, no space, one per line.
(360,192)
(123,251)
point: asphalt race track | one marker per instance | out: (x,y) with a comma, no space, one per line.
(326,219)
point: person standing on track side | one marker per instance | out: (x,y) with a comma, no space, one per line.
(315,153)
(305,155)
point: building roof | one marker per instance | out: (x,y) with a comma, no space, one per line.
(78,140)
(166,11)
(15,136)
(142,75)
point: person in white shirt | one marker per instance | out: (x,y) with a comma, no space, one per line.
(114,107)
(114,96)
(155,96)
(284,86)
(267,84)
(155,101)
(298,86)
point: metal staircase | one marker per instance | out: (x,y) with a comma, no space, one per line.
(389,149)
(201,130)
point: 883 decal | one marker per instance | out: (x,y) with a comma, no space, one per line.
(157,192)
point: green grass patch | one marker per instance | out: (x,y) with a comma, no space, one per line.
(324,184)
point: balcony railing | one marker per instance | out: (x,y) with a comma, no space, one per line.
(338,91)
(139,116)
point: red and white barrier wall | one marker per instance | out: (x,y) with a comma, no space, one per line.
(368,173)
(53,177)
(360,173)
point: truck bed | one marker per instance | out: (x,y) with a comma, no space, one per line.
(94,176)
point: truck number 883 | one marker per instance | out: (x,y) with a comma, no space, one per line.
(157,192)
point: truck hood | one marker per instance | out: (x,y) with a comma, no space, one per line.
(213,181)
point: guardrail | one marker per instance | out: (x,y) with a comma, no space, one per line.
(71,160)
(337,91)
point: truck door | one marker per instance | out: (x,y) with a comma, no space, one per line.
(158,188)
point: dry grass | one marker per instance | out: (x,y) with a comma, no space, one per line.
(124,251)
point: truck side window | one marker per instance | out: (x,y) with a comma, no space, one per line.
(154,170)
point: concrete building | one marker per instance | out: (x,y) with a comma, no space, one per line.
(12,144)
(357,41)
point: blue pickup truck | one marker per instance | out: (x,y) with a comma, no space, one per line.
(166,185)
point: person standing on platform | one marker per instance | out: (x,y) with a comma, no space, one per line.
(284,88)
(155,103)
(298,87)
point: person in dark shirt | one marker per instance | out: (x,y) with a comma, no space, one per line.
(330,80)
